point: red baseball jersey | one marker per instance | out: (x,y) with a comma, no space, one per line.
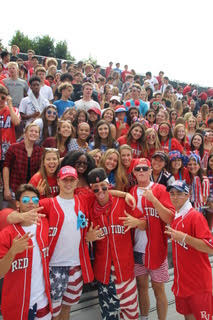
(55,216)
(192,269)
(116,247)
(156,248)
(17,281)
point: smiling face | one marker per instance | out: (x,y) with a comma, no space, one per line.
(108,116)
(65,129)
(111,162)
(133,113)
(158,164)
(196,142)
(193,167)
(82,117)
(103,131)
(81,164)
(126,157)
(51,114)
(67,186)
(160,117)
(83,131)
(93,116)
(25,206)
(51,163)
(32,133)
(136,133)
(192,123)
(211,163)
(164,130)
(181,133)
(142,177)
(151,137)
(97,158)
(176,164)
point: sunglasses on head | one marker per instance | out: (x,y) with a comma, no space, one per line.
(138,169)
(3,98)
(26,200)
(79,163)
(51,112)
(156,103)
(104,188)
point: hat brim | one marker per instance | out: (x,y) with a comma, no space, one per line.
(177,188)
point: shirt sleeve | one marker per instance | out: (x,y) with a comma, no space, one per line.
(46,204)
(22,106)
(9,157)
(5,242)
(201,230)
(3,217)
(206,187)
(162,195)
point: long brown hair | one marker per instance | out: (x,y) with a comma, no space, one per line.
(58,134)
(120,175)
(45,133)
(97,140)
(42,169)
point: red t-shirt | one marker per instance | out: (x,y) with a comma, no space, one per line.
(52,181)
(156,248)
(7,130)
(125,130)
(170,145)
(183,174)
(136,147)
(192,269)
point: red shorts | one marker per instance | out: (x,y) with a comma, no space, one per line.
(200,305)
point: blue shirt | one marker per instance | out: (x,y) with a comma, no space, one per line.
(62,105)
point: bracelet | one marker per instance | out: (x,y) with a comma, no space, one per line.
(184,238)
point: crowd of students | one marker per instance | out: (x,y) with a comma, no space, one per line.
(74,143)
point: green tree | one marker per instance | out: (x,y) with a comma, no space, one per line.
(91,60)
(1,45)
(22,41)
(44,46)
(61,51)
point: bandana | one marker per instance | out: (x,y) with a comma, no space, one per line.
(105,210)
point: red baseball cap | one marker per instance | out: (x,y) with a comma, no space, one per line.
(96,110)
(67,171)
(142,162)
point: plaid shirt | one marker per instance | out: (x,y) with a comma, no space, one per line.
(16,160)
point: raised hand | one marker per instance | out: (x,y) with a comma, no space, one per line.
(41,186)
(21,243)
(129,221)
(33,216)
(94,234)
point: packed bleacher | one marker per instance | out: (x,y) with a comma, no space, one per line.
(86,118)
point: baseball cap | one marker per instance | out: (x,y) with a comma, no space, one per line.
(160,154)
(116,98)
(203,96)
(120,108)
(97,175)
(67,171)
(142,162)
(179,185)
(63,61)
(96,110)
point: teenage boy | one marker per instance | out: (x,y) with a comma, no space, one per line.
(153,200)
(65,89)
(191,243)
(24,263)
(113,262)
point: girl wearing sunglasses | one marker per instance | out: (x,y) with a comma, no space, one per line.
(45,180)
(168,143)
(47,122)
(172,117)
(151,117)
(111,162)
(152,143)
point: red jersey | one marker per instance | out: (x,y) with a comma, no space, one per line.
(192,269)
(55,216)
(170,145)
(16,301)
(7,130)
(156,249)
(116,247)
(125,130)
(182,174)
(52,181)
(136,147)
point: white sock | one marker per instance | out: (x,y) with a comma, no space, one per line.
(144,317)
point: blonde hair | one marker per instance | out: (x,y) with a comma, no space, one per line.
(64,86)
(51,61)
(92,153)
(120,176)
(157,144)
(178,126)
(31,125)
(13,64)
(125,147)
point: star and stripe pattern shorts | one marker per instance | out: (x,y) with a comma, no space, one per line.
(66,286)
(118,301)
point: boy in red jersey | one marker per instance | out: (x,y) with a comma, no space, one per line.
(153,200)
(113,263)
(24,263)
(192,242)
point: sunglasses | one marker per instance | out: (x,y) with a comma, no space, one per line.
(173,114)
(114,102)
(3,98)
(26,200)
(156,103)
(138,169)
(151,137)
(164,128)
(150,115)
(83,163)
(51,112)
(97,190)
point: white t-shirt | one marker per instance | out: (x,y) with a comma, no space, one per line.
(66,251)
(40,123)
(86,105)
(140,235)
(46,92)
(37,290)
(28,108)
